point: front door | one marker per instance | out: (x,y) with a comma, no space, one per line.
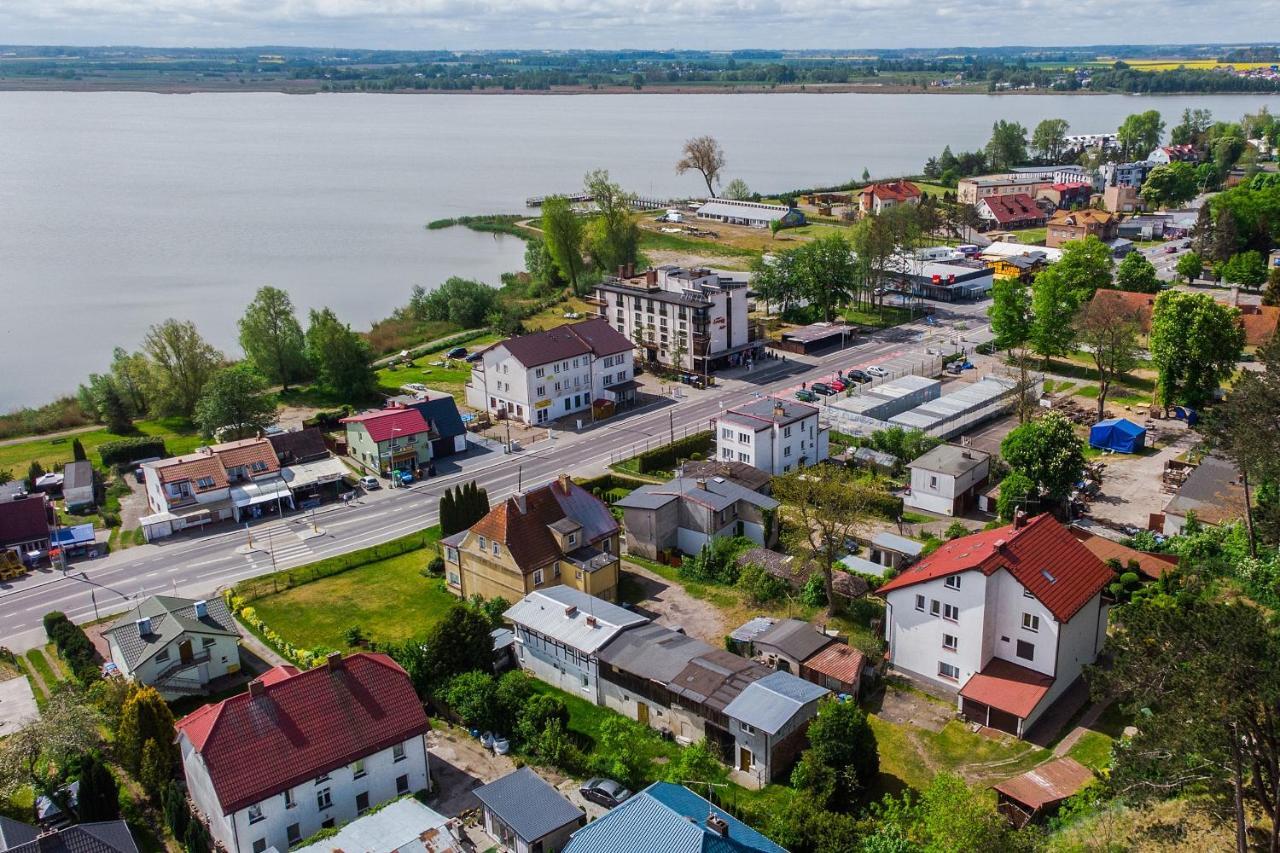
(744,759)
(184,651)
(642,713)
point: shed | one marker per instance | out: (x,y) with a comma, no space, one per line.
(79,486)
(789,643)
(525,813)
(1119,434)
(837,667)
(1024,798)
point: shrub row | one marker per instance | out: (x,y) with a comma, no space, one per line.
(126,450)
(606,486)
(74,646)
(304,658)
(666,456)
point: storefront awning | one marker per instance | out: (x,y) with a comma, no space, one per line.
(306,475)
(263,491)
(71,537)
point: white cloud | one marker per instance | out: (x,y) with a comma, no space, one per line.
(627,23)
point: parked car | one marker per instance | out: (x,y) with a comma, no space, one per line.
(876,370)
(369,483)
(858,376)
(1169,250)
(474,357)
(456,352)
(837,385)
(604,792)
(404,478)
(806,396)
(822,388)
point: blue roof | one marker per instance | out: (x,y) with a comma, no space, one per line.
(667,818)
(81,534)
(528,804)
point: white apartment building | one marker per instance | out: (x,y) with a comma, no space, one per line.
(304,751)
(555,373)
(771,434)
(693,320)
(1005,620)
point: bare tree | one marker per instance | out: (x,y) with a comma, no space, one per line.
(1110,333)
(703,155)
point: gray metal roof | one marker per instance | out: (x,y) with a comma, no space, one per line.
(528,804)
(794,638)
(755,211)
(643,498)
(574,618)
(13,833)
(772,409)
(404,826)
(893,542)
(654,652)
(950,459)
(170,618)
(751,629)
(768,704)
(717,492)
(111,836)
(862,566)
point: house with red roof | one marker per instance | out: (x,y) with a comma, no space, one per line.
(1009,212)
(397,438)
(1005,620)
(304,751)
(877,198)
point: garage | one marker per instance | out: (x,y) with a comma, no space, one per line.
(992,718)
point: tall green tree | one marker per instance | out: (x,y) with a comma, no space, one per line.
(77,450)
(1190,266)
(562,232)
(842,762)
(1170,185)
(1140,133)
(31,756)
(1061,289)
(271,338)
(1047,452)
(1008,145)
(144,717)
(98,798)
(827,273)
(1247,269)
(1195,343)
(1137,275)
(1012,324)
(775,281)
(181,363)
(339,357)
(235,401)
(1110,335)
(613,238)
(1050,138)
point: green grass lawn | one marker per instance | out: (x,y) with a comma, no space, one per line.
(912,756)
(693,245)
(389,600)
(1032,236)
(427,370)
(882,318)
(1093,750)
(178,434)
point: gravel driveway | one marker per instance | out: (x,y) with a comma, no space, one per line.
(668,604)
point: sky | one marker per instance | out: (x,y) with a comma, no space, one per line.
(614,24)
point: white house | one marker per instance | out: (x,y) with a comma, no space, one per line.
(947,479)
(304,751)
(771,434)
(694,320)
(1005,619)
(176,645)
(551,374)
(559,632)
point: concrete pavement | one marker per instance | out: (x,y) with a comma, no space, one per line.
(198,566)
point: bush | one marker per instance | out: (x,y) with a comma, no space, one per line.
(52,619)
(74,646)
(665,457)
(126,450)
(436,566)
(717,562)
(471,696)
(760,586)
(955,530)
(814,591)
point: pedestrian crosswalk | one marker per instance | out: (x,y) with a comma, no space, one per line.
(282,550)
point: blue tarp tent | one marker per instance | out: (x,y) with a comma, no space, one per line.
(1118,434)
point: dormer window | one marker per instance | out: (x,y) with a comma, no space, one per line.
(259,465)
(573,539)
(204,482)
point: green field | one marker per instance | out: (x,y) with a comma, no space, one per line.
(913,756)
(389,600)
(179,437)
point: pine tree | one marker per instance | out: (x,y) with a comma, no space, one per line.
(99,796)
(448,519)
(156,770)
(196,838)
(115,414)
(77,450)
(34,472)
(144,717)
(176,812)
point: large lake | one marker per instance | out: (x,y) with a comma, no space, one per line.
(118,210)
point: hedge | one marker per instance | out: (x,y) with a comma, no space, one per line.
(126,450)
(665,457)
(74,646)
(606,483)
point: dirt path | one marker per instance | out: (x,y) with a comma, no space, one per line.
(669,604)
(66,433)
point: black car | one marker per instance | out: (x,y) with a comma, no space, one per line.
(457,352)
(822,388)
(858,376)
(604,792)
(474,357)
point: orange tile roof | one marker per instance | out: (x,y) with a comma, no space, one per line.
(1008,687)
(893,190)
(1050,783)
(1142,304)
(527,535)
(1082,217)
(1041,555)
(1259,323)
(1150,565)
(193,467)
(234,454)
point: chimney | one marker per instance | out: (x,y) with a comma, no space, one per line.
(144,626)
(202,609)
(518,497)
(701,483)
(779,410)
(718,825)
(651,276)
(333,661)
(622,270)
(570,610)
(1019,519)
(256,687)
(631,268)
(564,482)
(591,621)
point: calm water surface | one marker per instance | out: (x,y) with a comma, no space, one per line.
(118,210)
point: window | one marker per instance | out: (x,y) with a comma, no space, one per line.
(949,642)
(402,784)
(483,542)
(540,372)
(933,482)
(1030,622)
(950,612)
(727,453)
(537,578)
(744,457)
(573,539)
(290,801)
(949,671)
(294,833)
(786,432)
(727,432)
(935,607)
(324,798)
(744,437)
(162,656)
(205,482)
(497,550)
(260,845)
(920,603)
(747,728)
(541,391)
(357,769)
(255,813)
(362,802)
(953,582)
(1026,651)
(451,554)
(207,642)
(1026,593)
(786,451)
(397,752)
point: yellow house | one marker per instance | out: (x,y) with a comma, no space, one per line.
(1018,266)
(553,535)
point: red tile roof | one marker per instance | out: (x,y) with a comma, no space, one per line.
(1047,560)
(1150,565)
(1259,323)
(1050,783)
(245,452)
(893,190)
(841,662)
(1019,207)
(192,468)
(527,535)
(1074,185)
(386,424)
(1008,687)
(303,725)
(24,520)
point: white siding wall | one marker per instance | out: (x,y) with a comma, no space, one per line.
(915,637)
(686,726)
(224,657)
(1006,600)
(553,663)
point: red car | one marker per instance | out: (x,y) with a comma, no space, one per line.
(837,384)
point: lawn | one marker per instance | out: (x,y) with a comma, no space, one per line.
(1032,236)
(434,371)
(1093,750)
(179,437)
(912,756)
(389,600)
(883,318)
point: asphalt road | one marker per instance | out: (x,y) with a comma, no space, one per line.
(202,565)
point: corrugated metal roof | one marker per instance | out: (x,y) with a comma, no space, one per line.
(404,826)
(950,459)
(528,804)
(794,638)
(894,542)
(866,567)
(751,629)
(571,617)
(1050,783)
(769,703)
(718,494)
